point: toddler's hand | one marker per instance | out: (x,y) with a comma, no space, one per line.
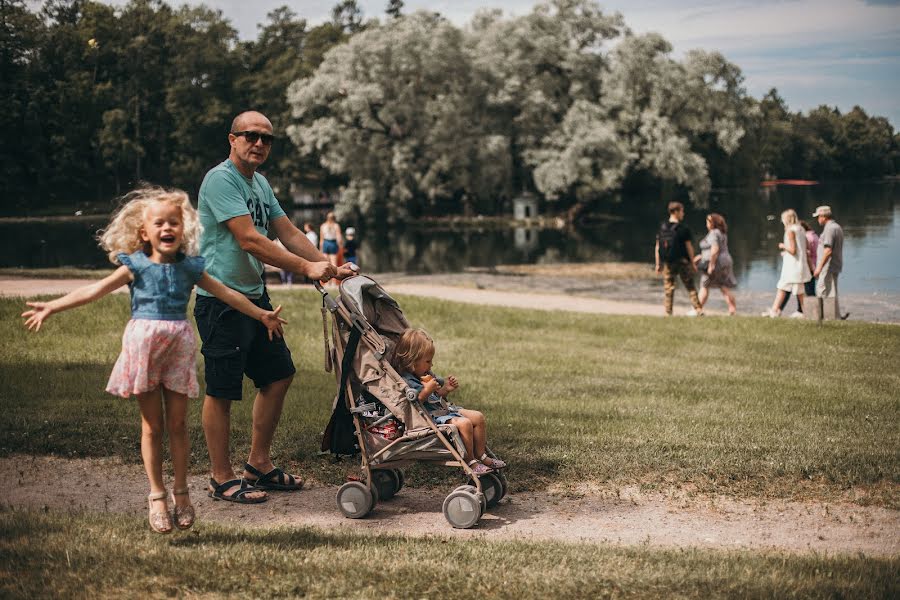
(273,322)
(451,384)
(34,317)
(430,385)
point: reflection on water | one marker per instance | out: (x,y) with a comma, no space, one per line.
(868,212)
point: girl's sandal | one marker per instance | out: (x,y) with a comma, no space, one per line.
(479,468)
(184,515)
(495,463)
(160,522)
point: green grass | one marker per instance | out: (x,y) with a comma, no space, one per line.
(72,555)
(744,406)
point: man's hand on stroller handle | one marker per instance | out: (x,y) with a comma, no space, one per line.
(347,270)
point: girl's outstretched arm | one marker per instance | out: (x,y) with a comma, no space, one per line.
(237,301)
(94,291)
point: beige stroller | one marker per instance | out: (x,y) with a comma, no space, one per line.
(377,415)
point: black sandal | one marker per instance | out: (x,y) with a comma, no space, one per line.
(276,479)
(239,496)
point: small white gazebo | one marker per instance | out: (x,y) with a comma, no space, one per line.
(525,206)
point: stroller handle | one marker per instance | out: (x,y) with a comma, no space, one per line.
(330,304)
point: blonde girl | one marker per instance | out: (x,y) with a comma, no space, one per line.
(412,359)
(154,238)
(795,267)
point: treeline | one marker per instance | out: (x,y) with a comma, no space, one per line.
(100,97)
(821,144)
(410,112)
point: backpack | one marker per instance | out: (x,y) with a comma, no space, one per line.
(670,250)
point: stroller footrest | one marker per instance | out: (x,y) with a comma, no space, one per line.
(363,408)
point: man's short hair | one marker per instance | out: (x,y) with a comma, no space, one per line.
(674,207)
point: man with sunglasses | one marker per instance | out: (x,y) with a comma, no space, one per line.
(241,217)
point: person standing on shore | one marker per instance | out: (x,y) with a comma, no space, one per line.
(795,271)
(330,238)
(674,253)
(240,217)
(715,263)
(831,258)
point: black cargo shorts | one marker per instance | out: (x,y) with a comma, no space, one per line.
(235,344)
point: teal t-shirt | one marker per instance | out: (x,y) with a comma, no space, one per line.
(224,194)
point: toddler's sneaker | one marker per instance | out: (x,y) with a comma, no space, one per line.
(798,315)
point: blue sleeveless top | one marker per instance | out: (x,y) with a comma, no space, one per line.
(160,292)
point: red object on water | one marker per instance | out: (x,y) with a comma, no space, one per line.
(770,182)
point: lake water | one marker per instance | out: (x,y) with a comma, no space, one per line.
(868,212)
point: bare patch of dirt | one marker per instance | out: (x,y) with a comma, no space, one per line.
(627,516)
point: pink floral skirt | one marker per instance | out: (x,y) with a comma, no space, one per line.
(156,353)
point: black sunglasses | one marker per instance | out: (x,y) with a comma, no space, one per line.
(254,136)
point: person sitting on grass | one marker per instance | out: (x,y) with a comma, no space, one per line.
(412,359)
(154,238)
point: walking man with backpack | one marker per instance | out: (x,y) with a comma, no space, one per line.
(675,257)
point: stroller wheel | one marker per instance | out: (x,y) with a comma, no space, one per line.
(493,489)
(387,482)
(355,500)
(462,508)
(472,489)
(503,483)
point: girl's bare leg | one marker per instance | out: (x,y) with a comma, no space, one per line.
(465,428)
(152,428)
(779,298)
(179,442)
(479,430)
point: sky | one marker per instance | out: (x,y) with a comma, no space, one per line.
(836,52)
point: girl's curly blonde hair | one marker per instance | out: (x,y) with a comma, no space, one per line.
(123,234)
(413,345)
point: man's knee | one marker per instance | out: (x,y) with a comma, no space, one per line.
(280,385)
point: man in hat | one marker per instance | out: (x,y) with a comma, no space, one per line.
(831,258)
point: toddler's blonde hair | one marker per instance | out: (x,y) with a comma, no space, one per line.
(413,345)
(123,234)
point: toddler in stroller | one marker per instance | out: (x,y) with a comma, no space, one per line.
(412,358)
(388,420)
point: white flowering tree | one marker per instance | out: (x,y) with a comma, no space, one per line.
(397,109)
(565,100)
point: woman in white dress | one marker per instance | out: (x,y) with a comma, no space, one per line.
(795,268)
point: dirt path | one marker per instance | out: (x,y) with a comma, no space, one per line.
(629,517)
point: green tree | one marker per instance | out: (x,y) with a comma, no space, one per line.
(394,9)
(347,15)
(865,144)
(20,37)
(200,94)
